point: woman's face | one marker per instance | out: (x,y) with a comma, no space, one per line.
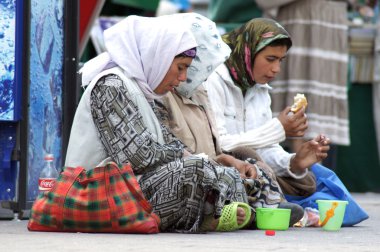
(177,73)
(267,63)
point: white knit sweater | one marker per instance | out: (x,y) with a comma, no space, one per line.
(247,121)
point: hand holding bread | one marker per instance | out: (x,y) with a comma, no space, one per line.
(293,118)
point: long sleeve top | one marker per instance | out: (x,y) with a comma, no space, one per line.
(247,120)
(108,124)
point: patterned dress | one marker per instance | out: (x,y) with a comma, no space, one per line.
(196,126)
(177,188)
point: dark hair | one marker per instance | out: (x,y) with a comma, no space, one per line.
(282,42)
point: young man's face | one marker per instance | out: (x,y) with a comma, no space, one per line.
(267,63)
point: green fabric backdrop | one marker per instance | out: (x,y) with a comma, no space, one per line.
(358,164)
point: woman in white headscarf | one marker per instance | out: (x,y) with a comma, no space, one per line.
(115,120)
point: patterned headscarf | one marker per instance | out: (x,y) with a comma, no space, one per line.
(211,50)
(245,42)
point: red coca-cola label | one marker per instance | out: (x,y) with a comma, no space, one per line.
(45,184)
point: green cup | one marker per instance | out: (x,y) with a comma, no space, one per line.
(331,213)
(272,218)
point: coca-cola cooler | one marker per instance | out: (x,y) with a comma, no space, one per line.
(11,72)
(40,94)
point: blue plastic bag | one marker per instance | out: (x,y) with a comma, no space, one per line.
(330,187)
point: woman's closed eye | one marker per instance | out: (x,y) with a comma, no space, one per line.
(273,58)
(183,67)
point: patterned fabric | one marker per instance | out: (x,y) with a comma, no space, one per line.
(245,42)
(81,201)
(176,188)
(264,191)
(211,51)
(122,131)
(179,189)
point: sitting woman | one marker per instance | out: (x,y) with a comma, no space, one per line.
(146,58)
(187,112)
(239,96)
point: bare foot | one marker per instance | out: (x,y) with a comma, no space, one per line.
(240,215)
(210,223)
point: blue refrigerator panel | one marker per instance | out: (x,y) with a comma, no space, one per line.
(11,38)
(9,103)
(45,91)
(8,167)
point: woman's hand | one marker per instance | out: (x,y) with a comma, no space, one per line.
(310,153)
(294,125)
(245,169)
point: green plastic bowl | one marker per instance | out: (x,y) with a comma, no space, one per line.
(272,218)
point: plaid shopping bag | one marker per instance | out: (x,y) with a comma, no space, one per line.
(104,199)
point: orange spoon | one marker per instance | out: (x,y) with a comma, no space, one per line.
(329,214)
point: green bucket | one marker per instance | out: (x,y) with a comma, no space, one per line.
(272,218)
(331,213)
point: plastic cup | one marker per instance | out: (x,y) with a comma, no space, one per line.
(331,213)
(272,218)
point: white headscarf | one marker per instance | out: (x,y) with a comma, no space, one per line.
(144,47)
(211,50)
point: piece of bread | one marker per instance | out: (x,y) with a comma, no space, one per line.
(299,102)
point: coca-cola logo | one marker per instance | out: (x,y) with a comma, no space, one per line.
(46,184)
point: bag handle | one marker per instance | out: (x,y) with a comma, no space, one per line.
(113,209)
(335,189)
(96,177)
(70,178)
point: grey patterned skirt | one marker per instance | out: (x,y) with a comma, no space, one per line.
(178,192)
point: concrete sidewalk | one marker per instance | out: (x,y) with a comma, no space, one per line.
(14,237)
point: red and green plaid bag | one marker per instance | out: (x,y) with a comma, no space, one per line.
(104,199)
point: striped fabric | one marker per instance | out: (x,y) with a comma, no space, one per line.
(104,199)
(317,66)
